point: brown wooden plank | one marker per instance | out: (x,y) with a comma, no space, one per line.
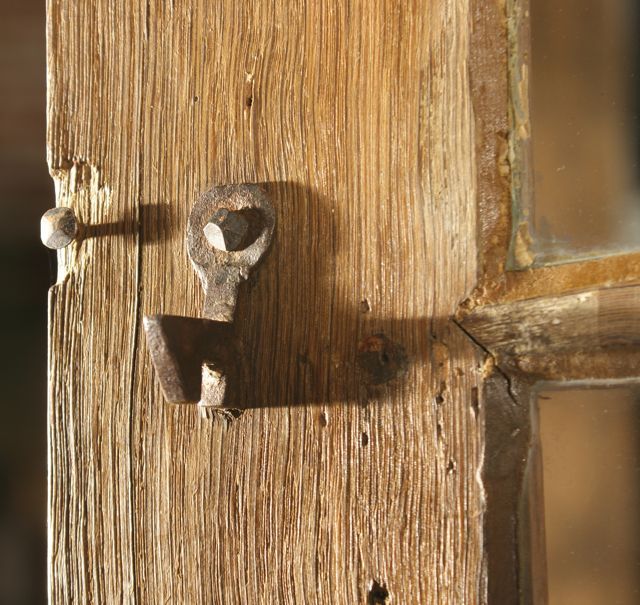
(592,334)
(358,116)
(512,477)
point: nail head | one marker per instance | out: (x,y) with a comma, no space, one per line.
(58,228)
(226,230)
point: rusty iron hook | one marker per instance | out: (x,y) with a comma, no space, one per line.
(200,360)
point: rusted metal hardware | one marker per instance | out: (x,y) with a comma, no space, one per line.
(200,360)
(58,227)
(220,271)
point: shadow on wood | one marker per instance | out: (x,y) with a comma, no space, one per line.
(311,353)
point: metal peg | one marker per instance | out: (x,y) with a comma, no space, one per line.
(58,228)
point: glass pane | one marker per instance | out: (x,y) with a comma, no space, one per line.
(591,484)
(585,143)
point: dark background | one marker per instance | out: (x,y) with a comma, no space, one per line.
(26,191)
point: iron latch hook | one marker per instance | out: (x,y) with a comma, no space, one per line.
(200,360)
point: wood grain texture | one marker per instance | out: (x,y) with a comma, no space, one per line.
(358,117)
(592,334)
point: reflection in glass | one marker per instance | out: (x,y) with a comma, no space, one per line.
(585,132)
(591,484)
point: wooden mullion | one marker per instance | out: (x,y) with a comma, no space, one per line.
(514,533)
